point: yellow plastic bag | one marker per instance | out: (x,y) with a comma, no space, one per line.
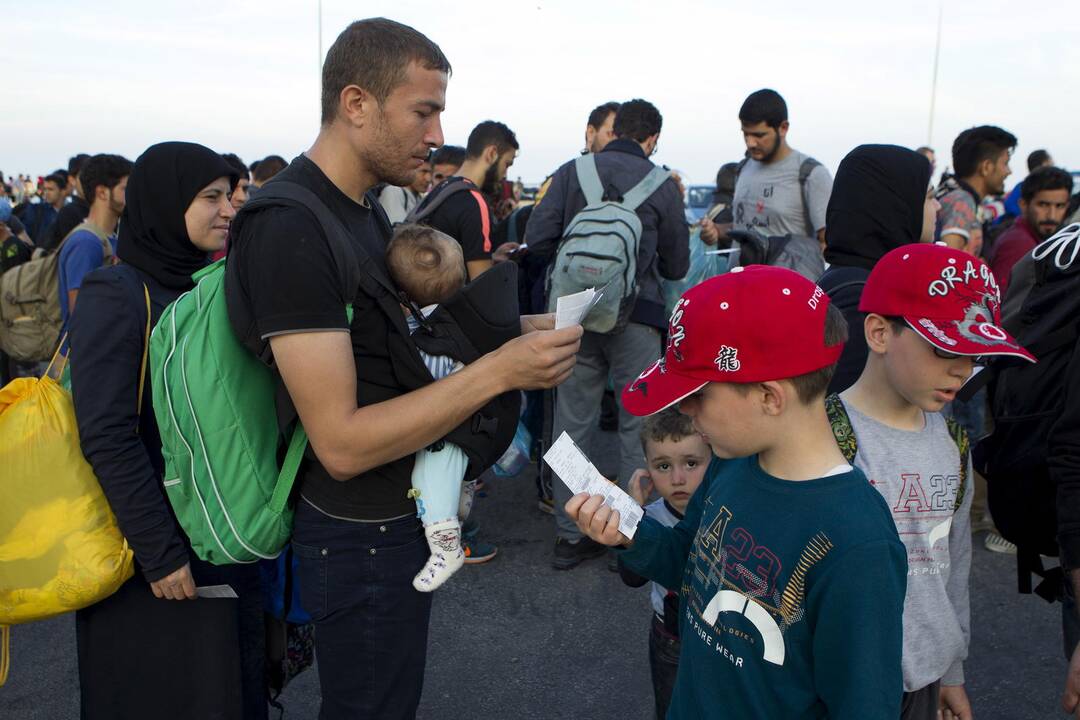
(60,547)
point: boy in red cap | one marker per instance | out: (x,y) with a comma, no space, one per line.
(932,312)
(790,571)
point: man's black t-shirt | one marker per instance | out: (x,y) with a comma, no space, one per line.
(464,216)
(287,276)
(69,218)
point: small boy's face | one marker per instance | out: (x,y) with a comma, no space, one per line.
(922,375)
(728,418)
(677,467)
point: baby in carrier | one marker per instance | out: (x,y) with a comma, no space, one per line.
(428,268)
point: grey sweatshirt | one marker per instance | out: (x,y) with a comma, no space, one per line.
(918,473)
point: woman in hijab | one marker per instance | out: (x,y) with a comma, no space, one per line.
(881,199)
(153,649)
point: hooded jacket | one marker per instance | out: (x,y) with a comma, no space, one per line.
(876,206)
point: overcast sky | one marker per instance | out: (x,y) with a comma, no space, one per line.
(243,75)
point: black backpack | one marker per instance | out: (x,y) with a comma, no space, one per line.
(1026,400)
(435,199)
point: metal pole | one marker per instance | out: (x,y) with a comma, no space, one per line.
(933,84)
(319,63)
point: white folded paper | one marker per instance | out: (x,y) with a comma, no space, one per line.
(580,475)
(215,591)
(572,309)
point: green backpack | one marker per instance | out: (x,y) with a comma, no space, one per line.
(214,403)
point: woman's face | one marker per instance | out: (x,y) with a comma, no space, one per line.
(208,216)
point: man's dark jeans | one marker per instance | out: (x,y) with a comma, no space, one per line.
(371,626)
(664,663)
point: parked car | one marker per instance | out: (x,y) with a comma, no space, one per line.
(699,198)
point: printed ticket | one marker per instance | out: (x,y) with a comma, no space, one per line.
(565,458)
(572,309)
(215,591)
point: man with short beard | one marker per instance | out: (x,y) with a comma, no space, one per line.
(466,215)
(779,190)
(92,244)
(1044,198)
(980,166)
(322,316)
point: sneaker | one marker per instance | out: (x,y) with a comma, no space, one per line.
(546,505)
(571,554)
(998,544)
(478,551)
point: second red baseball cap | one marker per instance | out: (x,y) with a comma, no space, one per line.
(753,324)
(947,296)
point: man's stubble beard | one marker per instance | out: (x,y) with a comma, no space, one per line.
(380,159)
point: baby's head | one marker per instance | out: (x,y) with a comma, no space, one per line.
(427,265)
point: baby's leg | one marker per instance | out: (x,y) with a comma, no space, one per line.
(436,481)
(468,494)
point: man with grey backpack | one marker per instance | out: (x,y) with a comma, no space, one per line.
(614,221)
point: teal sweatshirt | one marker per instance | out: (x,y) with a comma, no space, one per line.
(792,596)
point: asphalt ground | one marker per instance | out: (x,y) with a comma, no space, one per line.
(514,638)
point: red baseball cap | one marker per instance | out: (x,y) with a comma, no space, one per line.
(949,297)
(753,324)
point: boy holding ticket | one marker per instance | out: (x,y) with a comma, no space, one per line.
(790,571)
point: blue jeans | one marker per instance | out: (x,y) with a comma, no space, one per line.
(371,626)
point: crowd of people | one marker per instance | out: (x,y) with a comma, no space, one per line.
(797,423)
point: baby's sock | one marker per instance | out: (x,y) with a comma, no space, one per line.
(444,539)
(465,501)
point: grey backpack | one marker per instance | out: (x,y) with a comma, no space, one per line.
(599,248)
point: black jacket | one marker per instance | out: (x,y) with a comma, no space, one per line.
(69,217)
(119,439)
(876,206)
(1064,463)
(844,286)
(664,250)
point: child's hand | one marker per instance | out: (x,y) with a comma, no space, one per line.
(641,485)
(596,519)
(953,703)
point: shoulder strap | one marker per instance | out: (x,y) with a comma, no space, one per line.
(106,246)
(960,437)
(589,179)
(146,348)
(739,167)
(424,210)
(293,457)
(841,427)
(644,189)
(806,168)
(342,246)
